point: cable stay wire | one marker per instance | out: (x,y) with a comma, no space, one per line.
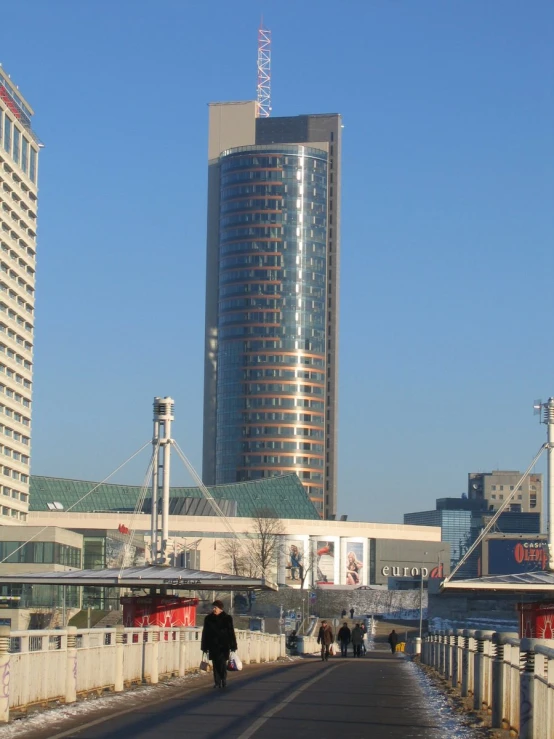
(30,539)
(138,509)
(495,518)
(215,506)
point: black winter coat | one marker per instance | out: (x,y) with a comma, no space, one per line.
(344,634)
(218,634)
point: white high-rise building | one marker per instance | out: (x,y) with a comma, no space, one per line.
(19,149)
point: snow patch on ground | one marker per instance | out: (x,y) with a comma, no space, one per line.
(487,624)
(54,718)
(452,724)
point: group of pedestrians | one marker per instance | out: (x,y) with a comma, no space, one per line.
(345,636)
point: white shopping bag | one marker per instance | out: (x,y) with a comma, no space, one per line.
(235,662)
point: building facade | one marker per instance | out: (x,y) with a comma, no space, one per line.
(494,487)
(462,520)
(19,150)
(270,386)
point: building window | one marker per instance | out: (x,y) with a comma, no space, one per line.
(33,167)
(24,155)
(16,143)
(7,134)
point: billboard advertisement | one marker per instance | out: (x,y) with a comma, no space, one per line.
(512,556)
(353,563)
(326,561)
(294,562)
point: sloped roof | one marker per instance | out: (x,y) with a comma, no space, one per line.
(526,582)
(283,495)
(178,578)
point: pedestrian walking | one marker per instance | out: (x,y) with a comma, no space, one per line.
(364,634)
(344,639)
(218,640)
(343,614)
(352,612)
(357,638)
(393,640)
(325,638)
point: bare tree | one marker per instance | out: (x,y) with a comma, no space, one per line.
(256,555)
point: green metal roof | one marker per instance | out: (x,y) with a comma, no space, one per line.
(284,495)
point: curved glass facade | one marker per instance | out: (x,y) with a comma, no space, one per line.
(271,375)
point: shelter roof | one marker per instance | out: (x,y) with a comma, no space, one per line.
(540,581)
(149,576)
(283,495)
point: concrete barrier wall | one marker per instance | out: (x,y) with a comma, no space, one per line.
(511,678)
(42,666)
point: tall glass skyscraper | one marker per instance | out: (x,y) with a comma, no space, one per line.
(19,150)
(272,297)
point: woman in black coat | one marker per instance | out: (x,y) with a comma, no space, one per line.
(218,639)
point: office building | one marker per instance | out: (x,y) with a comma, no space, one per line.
(462,520)
(495,487)
(19,150)
(272,293)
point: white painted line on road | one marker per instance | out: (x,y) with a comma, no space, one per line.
(261,721)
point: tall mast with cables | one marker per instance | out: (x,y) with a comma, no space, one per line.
(264,72)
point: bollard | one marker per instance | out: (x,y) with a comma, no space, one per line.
(417,645)
(5,673)
(119,658)
(71,665)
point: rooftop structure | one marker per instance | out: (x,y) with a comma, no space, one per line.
(284,496)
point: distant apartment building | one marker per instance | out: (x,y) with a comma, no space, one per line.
(495,487)
(19,152)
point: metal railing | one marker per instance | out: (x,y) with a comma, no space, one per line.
(512,678)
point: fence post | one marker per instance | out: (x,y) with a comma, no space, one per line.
(527,689)
(182,651)
(455,655)
(465,663)
(497,680)
(448,653)
(479,670)
(5,673)
(119,658)
(154,654)
(71,665)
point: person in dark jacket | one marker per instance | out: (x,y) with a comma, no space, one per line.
(357,639)
(325,638)
(393,640)
(344,639)
(218,639)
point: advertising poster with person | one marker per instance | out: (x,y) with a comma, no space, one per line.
(325,561)
(354,563)
(295,562)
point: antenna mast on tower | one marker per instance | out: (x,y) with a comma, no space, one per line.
(264,72)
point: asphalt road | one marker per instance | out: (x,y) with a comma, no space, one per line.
(375,696)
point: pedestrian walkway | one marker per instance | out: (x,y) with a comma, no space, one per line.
(377,696)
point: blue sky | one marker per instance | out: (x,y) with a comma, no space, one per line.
(447,225)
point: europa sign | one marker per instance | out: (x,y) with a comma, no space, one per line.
(397,571)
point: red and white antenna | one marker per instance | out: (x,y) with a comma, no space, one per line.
(264,72)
